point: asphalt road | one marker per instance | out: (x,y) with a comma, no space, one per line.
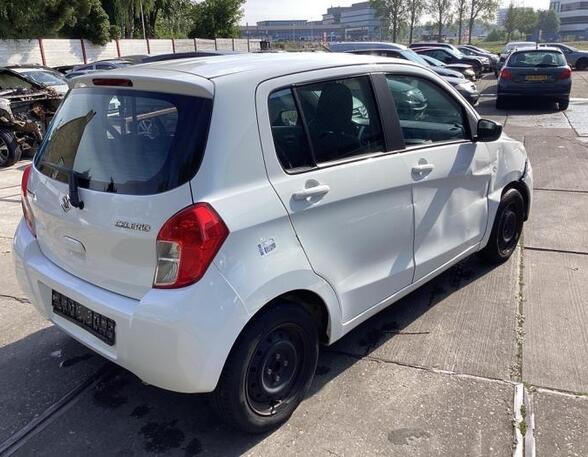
(441,373)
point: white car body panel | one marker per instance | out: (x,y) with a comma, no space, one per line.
(352,249)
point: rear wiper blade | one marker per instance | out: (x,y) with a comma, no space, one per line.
(73,176)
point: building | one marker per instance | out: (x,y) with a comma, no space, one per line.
(356,22)
(501,15)
(573,18)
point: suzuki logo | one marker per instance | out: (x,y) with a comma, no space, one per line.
(65,205)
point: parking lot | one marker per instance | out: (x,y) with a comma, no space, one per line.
(459,368)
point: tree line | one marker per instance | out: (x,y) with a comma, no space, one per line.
(401,18)
(102,20)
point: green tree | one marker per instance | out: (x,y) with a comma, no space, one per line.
(480,9)
(510,21)
(393,13)
(441,10)
(527,19)
(548,21)
(461,8)
(216,18)
(495,35)
(415,9)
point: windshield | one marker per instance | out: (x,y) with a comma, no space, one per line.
(414,57)
(434,62)
(44,78)
(126,141)
(537,59)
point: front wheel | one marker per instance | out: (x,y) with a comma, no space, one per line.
(507,228)
(269,370)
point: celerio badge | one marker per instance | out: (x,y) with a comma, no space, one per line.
(133,226)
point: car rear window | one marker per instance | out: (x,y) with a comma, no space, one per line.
(537,59)
(126,141)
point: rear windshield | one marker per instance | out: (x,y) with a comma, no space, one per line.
(537,59)
(126,141)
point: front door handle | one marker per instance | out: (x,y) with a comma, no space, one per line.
(314,191)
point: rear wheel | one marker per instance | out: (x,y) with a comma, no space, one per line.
(563,104)
(507,228)
(269,370)
(9,149)
(500,103)
(582,64)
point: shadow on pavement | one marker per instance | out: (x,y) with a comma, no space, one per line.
(121,416)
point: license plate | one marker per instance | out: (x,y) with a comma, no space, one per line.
(536,77)
(98,325)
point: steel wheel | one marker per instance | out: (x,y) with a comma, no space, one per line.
(273,373)
(509,229)
(4,151)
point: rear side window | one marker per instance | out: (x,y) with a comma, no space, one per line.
(537,59)
(325,122)
(126,141)
(427,113)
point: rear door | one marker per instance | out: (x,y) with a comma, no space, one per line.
(132,153)
(333,164)
(450,173)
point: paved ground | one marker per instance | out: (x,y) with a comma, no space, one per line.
(434,375)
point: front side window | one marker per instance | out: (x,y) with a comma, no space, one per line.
(427,113)
(126,141)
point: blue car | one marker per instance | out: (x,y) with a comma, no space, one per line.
(538,73)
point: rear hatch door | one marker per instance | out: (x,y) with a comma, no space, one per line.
(131,153)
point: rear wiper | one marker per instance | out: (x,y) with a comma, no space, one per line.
(74,194)
(547,65)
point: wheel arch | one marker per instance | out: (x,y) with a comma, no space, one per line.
(524,191)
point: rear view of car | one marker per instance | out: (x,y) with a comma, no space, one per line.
(539,73)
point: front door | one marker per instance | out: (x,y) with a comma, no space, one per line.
(349,199)
(450,173)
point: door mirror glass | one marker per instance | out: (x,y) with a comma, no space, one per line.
(488,130)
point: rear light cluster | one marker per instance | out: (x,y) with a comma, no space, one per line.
(186,245)
(505,74)
(24,200)
(566,74)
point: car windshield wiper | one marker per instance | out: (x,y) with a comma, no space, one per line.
(73,176)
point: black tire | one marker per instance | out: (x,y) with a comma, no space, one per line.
(269,370)
(500,103)
(507,228)
(563,104)
(582,64)
(9,149)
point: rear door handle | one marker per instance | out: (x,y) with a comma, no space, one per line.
(423,168)
(314,191)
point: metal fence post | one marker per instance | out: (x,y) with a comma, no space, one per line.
(43,60)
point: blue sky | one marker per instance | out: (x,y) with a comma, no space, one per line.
(259,10)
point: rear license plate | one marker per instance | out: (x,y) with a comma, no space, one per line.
(98,325)
(536,77)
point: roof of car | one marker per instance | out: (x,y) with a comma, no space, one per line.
(345,46)
(540,49)
(260,66)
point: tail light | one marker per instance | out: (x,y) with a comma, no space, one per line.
(505,74)
(566,74)
(186,245)
(24,200)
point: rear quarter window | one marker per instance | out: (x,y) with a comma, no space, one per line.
(126,141)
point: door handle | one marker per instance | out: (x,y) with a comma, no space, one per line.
(423,168)
(314,191)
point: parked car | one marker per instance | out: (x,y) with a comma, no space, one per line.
(490,60)
(26,108)
(449,56)
(457,80)
(465,69)
(508,48)
(482,59)
(230,214)
(575,57)
(43,76)
(185,55)
(65,69)
(100,65)
(538,73)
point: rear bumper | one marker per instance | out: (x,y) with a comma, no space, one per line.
(177,340)
(539,90)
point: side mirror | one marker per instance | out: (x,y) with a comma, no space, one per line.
(488,130)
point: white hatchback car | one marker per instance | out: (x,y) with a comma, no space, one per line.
(206,223)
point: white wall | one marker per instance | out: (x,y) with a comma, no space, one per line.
(71,52)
